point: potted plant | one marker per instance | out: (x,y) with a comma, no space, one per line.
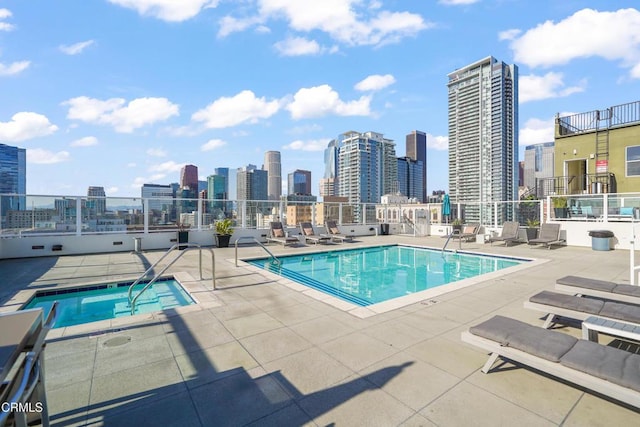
(183,235)
(560,207)
(456,224)
(224,230)
(532,228)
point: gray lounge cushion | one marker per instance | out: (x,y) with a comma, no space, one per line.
(549,345)
(584,282)
(630,290)
(585,305)
(618,310)
(609,363)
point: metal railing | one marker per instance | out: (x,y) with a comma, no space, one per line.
(276,260)
(190,246)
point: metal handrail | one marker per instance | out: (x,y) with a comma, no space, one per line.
(132,301)
(276,260)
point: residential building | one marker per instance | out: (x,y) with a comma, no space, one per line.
(252,189)
(300,208)
(416,150)
(189,178)
(410,179)
(335,208)
(299,182)
(538,165)
(273,166)
(13,179)
(96,201)
(483,137)
(329,181)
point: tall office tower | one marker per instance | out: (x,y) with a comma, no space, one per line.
(329,181)
(274,171)
(189,178)
(367,169)
(217,194)
(299,182)
(252,183)
(96,202)
(410,182)
(13,178)
(483,137)
(538,165)
(417,150)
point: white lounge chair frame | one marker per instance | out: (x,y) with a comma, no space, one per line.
(549,235)
(286,240)
(579,291)
(553,312)
(334,237)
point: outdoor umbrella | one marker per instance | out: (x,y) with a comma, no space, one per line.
(446,207)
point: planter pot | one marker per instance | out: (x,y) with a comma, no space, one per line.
(532,233)
(222,240)
(183,237)
(457,228)
(561,212)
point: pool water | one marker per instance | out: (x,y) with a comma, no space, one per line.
(109,301)
(371,275)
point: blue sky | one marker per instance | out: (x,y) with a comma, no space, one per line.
(117,93)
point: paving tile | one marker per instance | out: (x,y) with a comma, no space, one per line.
(251,325)
(120,352)
(291,415)
(68,405)
(417,421)
(272,345)
(322,329)
(453,357)
(200,338)
(69,368)
(293,314)
(592,410)
(357,350)
(396,334)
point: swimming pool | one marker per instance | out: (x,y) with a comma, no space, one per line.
(373,275)
(108,301)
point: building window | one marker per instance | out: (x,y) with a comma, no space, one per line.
(633,160)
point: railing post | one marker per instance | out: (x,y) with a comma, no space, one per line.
(605,207)
(78,216)
(340,213)
(200,213)
(145,207)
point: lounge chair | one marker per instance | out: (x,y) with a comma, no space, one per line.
(278,235)
(609,371)
(549,235)
(310,236)
(468,232)
(333,232)
(599,288)
(509,233)
(580,308)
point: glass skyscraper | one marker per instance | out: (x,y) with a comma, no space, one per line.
(417,150)
(13,178)
(299,182)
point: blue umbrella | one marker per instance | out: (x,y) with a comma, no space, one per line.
(446,207)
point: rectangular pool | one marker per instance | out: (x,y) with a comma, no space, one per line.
(108,301)
(369,276)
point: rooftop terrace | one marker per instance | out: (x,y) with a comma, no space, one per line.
(258,352)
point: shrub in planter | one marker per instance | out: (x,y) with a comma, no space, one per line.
(224,230)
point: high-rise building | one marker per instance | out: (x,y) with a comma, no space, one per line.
(410,180)
(483,137)
(417,150)
(13,178)
(274,172)
(329,181)
(538,164)
(160,197)
(367,169)
(96,202)
(217,194)
(189,178)
(252,183)
(299,182)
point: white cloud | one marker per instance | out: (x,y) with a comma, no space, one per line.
(166,167)
(131,165)
(440,143)
(509,34)
(13,68)
(241,108)
(124,118)
(5,13)
(586,33)
(213,144)
(167,10)
(156,152)
(26,125)
(536,131)
(297,46)
(551,85)
(322,100)
(5,26)
(457,2)
(111,190)
(309,145)
(375,82)
(75,48)
(41,156)
(229,25)
(299,130)
(87,141)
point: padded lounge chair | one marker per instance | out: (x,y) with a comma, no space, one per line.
(549,235)
(278,235)
(580,308)
(509,233)
(333,232)
(599,288)
(468,232)
(310,236)
(610,371)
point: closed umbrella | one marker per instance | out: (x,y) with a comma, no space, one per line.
(446,207)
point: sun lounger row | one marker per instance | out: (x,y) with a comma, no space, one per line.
(599,288)
(607,370)
(277,234)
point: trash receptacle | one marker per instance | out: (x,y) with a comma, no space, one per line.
(137,244)
(601,239)
(384,229)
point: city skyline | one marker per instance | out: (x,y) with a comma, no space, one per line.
(118,94)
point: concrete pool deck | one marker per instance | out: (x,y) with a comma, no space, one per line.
(259,352)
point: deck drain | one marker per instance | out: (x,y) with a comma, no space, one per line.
(117,341)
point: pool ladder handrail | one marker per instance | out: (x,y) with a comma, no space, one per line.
(275,259)
(453,234)
(190,246)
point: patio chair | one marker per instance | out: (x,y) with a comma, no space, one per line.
(599,288)
(333,232)
(278,235)
(310,236)
(579,308)
(508,234)
(549,235)
(609,371)
(468,232)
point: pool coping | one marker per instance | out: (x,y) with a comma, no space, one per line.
(427,296)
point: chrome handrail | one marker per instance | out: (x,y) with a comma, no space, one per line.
(276,260)
(132,301)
